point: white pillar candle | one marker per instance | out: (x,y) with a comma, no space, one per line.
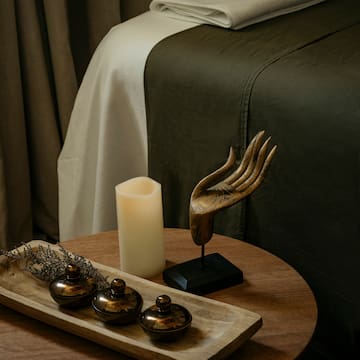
(140,226)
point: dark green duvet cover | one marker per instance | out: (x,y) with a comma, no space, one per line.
(298,78)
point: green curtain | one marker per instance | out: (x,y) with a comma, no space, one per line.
(45,48)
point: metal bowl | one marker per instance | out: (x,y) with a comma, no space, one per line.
(118,304)
(71,290)
(165,321)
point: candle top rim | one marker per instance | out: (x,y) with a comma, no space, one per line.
(140,186)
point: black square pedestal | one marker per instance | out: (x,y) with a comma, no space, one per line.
(203,275)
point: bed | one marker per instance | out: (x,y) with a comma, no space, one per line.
(205,88)
(300,83)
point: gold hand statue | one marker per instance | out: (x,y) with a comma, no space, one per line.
(212,194)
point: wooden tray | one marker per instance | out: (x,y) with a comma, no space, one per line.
(216,331)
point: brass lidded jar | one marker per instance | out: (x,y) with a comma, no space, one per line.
(165,321)
(118,304)
(71,290)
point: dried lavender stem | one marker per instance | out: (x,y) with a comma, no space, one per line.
(47,264)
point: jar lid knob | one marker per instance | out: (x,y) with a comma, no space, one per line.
(72,272)
(117,287)
(163,302)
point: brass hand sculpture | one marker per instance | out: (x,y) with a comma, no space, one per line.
(212,194)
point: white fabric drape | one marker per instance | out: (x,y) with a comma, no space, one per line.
(106,142)
(234,14)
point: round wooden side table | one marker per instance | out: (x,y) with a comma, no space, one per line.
(271,288)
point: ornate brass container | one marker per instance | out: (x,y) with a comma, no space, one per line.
(165,321)
(118,304)
(70,290)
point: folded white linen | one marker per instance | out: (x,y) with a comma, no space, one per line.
(234,14)
(106,141)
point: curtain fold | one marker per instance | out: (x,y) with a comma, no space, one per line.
(14,171)
(45,48)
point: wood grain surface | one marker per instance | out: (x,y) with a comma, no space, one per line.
(271,288)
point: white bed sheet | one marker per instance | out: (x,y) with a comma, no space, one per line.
(234,14)
(106,142)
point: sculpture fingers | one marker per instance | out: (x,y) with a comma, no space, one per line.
(256,179)
(251,164)
(223,199)
(253,171)
(249,153)
(214,177)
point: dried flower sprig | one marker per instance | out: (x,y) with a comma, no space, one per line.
(47,264)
